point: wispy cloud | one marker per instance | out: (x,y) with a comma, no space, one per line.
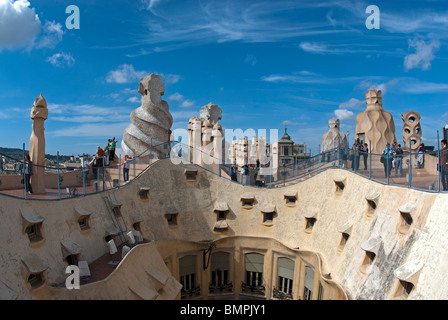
(87,113)
(92,130)
(225,21)
(424,54)
(126,73)
(51,36)
(61,59)
(353,103)
(292,123)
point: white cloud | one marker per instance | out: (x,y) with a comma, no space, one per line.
(423,56)
(88,113)
(187,103)
(291,123)
(171,78)
(313,47)
(19,24)
(61,59)
(344,114)
(352,103)
(134,99)
(176,97)
(125,73)
(51,35)
(92,130)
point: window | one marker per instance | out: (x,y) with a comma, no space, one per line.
(109,237)
(84,222)
(268,217)
(285,279)
(72,259)
(171,218)
(368,259)
(309,283)
(371,206)
(290,198)
(34,232)
(137,227)
(191,174)
(343,242)
(187,272)
(247,201)
(222,215)
(36,280)
(219,281)
(406,222)
(254,263)
(309,224)
(339,186)
(320,294)
(407,288)
(143,193)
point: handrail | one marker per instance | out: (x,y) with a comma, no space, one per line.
(411,176)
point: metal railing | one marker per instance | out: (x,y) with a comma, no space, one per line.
(410,170)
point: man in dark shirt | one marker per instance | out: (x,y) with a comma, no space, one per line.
(443,165)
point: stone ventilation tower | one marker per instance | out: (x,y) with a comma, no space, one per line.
(205,134)
(375,125)
(39,113)
(334,138)
(152,120)
(412,131)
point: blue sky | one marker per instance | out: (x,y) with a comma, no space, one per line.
(267,64)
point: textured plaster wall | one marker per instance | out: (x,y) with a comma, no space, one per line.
(195,203)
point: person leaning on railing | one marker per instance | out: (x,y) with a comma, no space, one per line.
(443,165)
(28,173)
(399,160)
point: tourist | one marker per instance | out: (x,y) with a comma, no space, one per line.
(94,165)
(106,154)
(356,149)
(245,173)
(443,165)
(420,156)
(398,160)
(28,174)
(126,166)
(85,167)
(99,157)
(233,173)
(386,159)
(112,146)
(365,154)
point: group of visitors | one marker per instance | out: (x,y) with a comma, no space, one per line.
(359,149)
(392,157)
(102,158)
(245,172)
